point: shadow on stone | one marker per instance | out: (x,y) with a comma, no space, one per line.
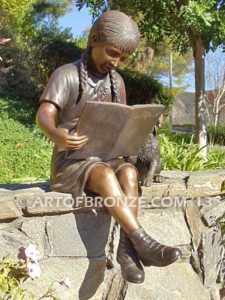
(94,231)
(20,186)
(93,278)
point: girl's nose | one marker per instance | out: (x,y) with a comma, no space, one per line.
(115,62)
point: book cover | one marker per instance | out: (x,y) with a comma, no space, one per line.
(114,129)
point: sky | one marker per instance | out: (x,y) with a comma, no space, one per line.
(78,21)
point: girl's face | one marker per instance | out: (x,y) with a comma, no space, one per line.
(106,58)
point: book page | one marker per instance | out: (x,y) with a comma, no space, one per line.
(102,122)
(140,123)
(114,129)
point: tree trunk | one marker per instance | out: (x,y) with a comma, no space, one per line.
(171,70)
(216,114)
(217,103)
(200,105)
(170,86)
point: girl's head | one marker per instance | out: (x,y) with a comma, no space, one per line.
(112,38)
(116,29)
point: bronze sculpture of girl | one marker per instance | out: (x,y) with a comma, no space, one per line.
(113,37)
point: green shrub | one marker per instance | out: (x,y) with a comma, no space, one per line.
(24,152)
(216,135)
(182,156)
(28,62)
(180,153)
(216,154)
(23,155)
(57,53)
(141,89)
(174,136)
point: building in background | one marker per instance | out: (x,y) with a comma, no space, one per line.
(183,111)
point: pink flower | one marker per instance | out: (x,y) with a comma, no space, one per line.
(34,270)
(65,282)
(31,252)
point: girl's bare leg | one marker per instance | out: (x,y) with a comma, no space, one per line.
(123,185)
(128,179)
(103,181)
(131,267)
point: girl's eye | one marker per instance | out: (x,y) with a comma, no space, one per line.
(112,53)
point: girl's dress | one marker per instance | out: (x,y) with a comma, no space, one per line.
(62,89)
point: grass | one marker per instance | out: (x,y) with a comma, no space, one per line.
(180,153)
(24,152)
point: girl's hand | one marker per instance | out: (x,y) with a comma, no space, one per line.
(46,120)
(63,139)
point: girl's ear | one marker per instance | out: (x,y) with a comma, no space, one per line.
(93,40)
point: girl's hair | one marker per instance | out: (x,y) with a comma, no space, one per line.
(112,28)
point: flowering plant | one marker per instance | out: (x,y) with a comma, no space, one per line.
(13,273)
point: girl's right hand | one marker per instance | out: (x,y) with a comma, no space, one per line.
(63,139)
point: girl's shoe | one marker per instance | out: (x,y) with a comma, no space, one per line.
(152,253)
(131,267)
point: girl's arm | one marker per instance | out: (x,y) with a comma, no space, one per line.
(46,120)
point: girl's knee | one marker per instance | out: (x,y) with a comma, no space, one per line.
(128,172)
(102,173)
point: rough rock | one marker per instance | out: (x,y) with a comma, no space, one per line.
(175,282)
(213,253)
(214,214)
(166,226)
(8,211)
(194,223)
(86,276)
(78,235)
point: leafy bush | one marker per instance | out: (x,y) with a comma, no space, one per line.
(141,89)
(17,76)
(24,153)
(180,153)
(216,154)
(182,156)
(56,53)
(12,273)
(216,135)
(27,63)
(174,136)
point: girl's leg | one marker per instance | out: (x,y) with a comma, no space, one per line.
(103,181)
(131,267)
(159,255)
(128,179)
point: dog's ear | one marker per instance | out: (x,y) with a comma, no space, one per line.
(131,159)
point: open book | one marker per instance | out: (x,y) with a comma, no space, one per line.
(114,129)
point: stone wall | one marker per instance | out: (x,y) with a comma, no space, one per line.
(80,243)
